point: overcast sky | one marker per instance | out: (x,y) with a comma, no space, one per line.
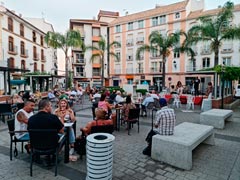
(58,12)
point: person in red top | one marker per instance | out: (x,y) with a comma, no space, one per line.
(100,121)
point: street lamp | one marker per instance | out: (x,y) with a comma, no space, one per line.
(222,79)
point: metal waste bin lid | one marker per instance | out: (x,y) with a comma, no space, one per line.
(100,138)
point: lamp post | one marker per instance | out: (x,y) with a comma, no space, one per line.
(222,79)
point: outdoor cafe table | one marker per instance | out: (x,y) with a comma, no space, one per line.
(183,99)
(66,153)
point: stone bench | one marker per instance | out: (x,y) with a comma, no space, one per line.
(216,117)
(176,150)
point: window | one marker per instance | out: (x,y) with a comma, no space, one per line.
(206,62)
(140,24)
(162,19)
(227,61)
(154,21)
(129,81)
(96,72)
(10,44)
(119,56)
(176,55)
(34,52)
(154,67)
(129,68)
(42,54)
(10,24)
(118,28)
(34,36)
(96,32)
(79,71)
(129,54)
(130,26)
(21,30)
(42,68)
(177,15)
(22,48)
(23,64)
(140,68)
(155,53)
(41,40)
(35,67)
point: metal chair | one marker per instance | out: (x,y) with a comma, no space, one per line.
(176,102)
(149,108)
(190,102)
(44,142)
(13,139)
(6,110)
(133,117)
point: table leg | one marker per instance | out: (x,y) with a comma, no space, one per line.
(66,153)
(118,119)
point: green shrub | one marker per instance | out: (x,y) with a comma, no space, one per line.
(142,91)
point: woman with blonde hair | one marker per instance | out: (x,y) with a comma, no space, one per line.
(66,114)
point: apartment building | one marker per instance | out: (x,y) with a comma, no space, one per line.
(22,49)
(133,30)
(85,70)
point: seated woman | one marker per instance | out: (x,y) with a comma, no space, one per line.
(128,105)
(99,121)
(66,114)
(104,104)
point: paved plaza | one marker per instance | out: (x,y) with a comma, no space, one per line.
(219,162)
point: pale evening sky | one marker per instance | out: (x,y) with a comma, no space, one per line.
(58,12)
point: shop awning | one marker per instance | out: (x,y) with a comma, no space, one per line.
(17,82)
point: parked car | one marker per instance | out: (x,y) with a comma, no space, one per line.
(237,91)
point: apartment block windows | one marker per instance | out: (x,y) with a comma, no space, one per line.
(177,15)
(10,44)
(96,32)
(162,19)
(10,24)
(206,62)
(130,26)
(35,53)
(80,71)
(118,28)
(154,21)
(23,64)
(41,40)
(227,61)
(42,68)
(140,24)
(176,54)
(119,57)
(21,30)
(129,54)
(154,67)
(35,68)
(34,37)
(22,48)
(42,55)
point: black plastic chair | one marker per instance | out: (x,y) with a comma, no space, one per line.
(13,139)
(6,110)
(133,117)
(44,142)
(102,129)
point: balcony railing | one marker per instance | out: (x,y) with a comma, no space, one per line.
(196,68)
(155,56)
(24,53)
(129,70)
(129,42)
(206,51)
(43,58)
(117,71)
(227,50)
(139,70)
(129,57)
(154,70)
(80,61)
(13,50)
(80,74)
(140,40)
(96,74)
(35,56)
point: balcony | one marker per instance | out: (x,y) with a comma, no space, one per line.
(129,70)
(77,49)
(140,40)
(227,49)
(206,51)
(196,68)
(13,50)
(139,70)
(80,61)
(80,74)
(154,70)
(96,74)
(155,56)
(129,42)
(24,53)
(43,58)
(129,57)
(117,71)
(35,56)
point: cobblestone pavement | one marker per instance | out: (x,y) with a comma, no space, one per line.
(219,162)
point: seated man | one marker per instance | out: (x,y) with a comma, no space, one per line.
(99,121)
(165,123)
(145,103)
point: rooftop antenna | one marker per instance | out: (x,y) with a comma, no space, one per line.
(43,15)
(126,12)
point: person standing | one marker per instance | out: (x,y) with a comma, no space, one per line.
(209,89)
(196,86)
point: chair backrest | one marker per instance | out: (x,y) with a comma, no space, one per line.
(5,108)
(43,139)
(150,105)
(11,124)
(210,96)
(20,105)
(156,103)
(102,129)
(133,114)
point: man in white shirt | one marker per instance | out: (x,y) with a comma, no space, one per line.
(154,95)
(119,98)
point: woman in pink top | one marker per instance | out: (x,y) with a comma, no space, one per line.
(104,104)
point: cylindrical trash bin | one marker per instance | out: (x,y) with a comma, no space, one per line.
(99,156)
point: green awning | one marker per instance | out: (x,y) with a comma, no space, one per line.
(17,82)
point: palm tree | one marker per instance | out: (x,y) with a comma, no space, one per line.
(69,40)
(162,44)
(100,51)
(217,29)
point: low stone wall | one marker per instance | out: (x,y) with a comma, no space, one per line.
(216,103)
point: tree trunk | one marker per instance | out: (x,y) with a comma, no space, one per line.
(216,52)
(66,72)
(163,72)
